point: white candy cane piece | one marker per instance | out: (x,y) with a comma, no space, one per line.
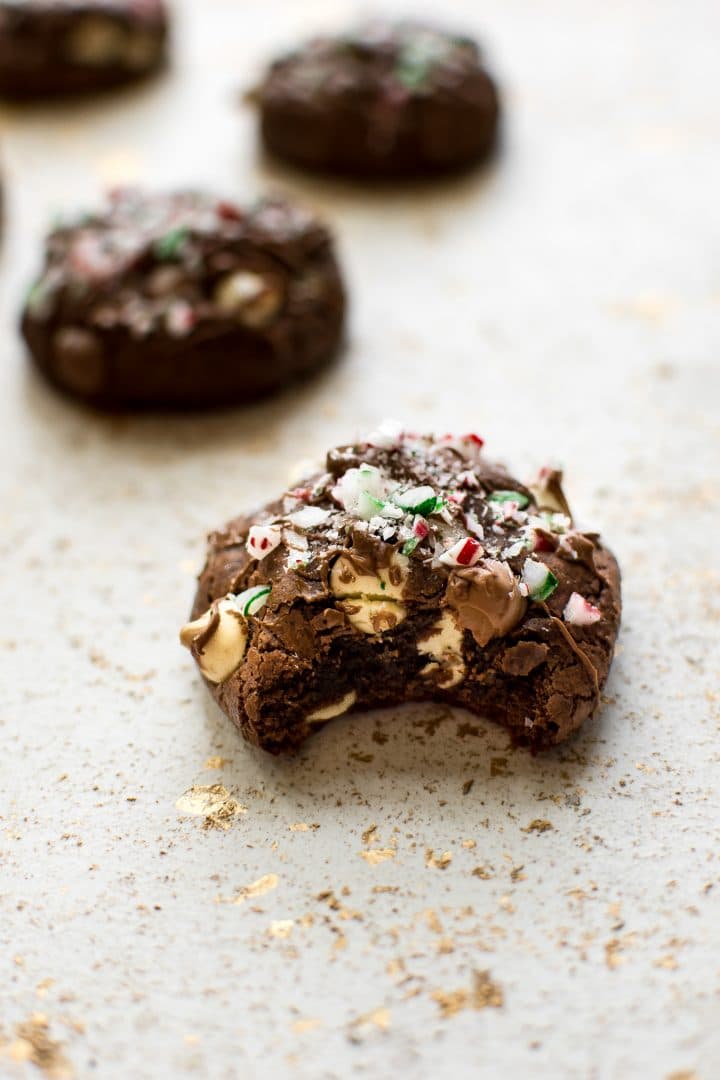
(262,539)
(252,600)
(308,517)
(389,433)
(580,612)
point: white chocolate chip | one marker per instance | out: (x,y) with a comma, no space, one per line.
(444,645)
(249,296)
(336,708)
(389,583)
(373,616)
(225,649)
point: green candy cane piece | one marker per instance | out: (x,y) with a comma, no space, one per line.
(410,545)
(416,60)
(420,500)
(384,508)
(169,245)
(253,600)
(510,496)
(547,588)
(540,580)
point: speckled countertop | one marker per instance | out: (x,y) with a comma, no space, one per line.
(408,896)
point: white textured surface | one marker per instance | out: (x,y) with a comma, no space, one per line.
(566,303)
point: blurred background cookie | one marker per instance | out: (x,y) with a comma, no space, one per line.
(389,99)
(184,300)
(78,46)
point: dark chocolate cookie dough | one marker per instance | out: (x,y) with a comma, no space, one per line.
(185,301)
(410,568)
(392,99)
(58,47)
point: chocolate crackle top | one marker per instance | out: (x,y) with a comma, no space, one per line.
(409,568)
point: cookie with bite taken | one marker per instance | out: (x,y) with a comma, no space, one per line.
(184,301)
(410,568)
(389,99)
(51,48)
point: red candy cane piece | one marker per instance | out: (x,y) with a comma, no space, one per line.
(465,553)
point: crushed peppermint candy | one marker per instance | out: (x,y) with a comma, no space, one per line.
(542,542)
(556,523)
(179,318)
(465,553)
(384,509)
(253,600)
(580,612)
(420,527)
(227,211)
(262,539)
(420,530)
(523,543)
(419,500)
(517,498)
(473,525)
(388,434)
(298,549)
(361,491)
(467,479)
(539,579)
(171,244)
(470,442)
(309,517)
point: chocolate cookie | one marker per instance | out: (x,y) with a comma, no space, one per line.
(392,99)
(184,300)
(58,47)
(410,568)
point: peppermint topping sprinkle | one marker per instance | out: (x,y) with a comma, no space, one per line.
(465,553)
(580,612)
(516,497)
(309,517)
(539,580)
(253,600)
(262,539)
